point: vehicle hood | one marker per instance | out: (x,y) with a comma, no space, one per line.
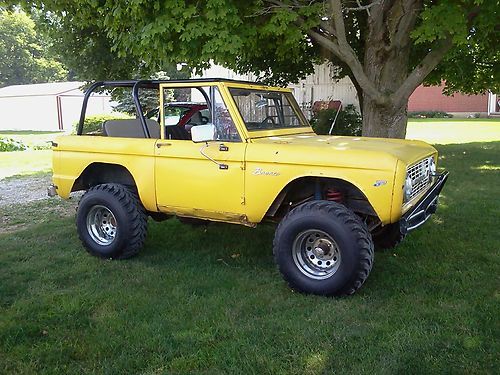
(350,150)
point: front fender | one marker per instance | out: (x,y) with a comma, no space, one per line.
(264,182)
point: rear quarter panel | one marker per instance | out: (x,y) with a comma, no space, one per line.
(74,153)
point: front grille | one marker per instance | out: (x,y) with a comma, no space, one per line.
(419,174)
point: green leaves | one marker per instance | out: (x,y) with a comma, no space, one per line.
(440,21)
(24,52)
(124,39)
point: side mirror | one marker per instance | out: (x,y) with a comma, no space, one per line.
(203,133)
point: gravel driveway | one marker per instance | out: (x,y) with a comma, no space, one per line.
(23,189)
(24,203)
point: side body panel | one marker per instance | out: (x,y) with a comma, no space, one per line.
(189,184)
(74,153)
(270,169)
(377,167)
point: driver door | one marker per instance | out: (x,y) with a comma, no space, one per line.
(197,179)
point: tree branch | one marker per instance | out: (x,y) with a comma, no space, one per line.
(352,61)
(406,23)
(338,20)
(335,41)
(359,90)
(277,4)
(328,28)
(347,54)
(417,76)
(364,7)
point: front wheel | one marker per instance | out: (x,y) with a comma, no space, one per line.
(323,248)
(111,221)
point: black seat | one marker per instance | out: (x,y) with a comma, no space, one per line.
(177,132)
(130,128)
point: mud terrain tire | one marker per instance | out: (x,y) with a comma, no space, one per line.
(111,221)
(323,248)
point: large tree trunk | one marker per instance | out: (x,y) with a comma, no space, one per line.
(384,77)
(383,121)
(386,59)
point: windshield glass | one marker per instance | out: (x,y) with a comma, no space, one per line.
(267,110)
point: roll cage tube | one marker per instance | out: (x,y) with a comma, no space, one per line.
(135,85)
(86,97)
(138,107)
(211,103)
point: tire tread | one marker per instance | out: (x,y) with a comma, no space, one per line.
(136,213)
(349,220)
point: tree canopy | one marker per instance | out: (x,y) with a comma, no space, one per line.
(386,47)
(24,52)
(89,52)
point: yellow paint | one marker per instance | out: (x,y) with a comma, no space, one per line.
(358,160)
(172,176)
(186,180)
(75,153)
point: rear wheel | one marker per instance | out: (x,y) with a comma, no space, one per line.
(111,222)
(323,248)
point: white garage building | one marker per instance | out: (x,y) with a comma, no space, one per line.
(47,106)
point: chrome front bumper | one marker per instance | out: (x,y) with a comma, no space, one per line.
(425,207)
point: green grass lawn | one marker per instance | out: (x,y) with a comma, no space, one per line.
(25,162)
(29,161)
(210,300)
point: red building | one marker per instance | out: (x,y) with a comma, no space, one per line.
(432,99)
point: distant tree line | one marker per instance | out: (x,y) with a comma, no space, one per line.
(26,55)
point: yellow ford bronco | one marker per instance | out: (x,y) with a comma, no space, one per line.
(243,153)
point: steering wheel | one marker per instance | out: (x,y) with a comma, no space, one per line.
(268,119)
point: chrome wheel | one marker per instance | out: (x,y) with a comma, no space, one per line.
(101,225)
(316,254)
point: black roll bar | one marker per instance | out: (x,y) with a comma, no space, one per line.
(86,97)
(135,95)
(138,106)
(153,84)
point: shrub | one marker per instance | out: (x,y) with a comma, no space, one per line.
(42,146)
(9,144)
(348,121)
(429,114)
(93,124)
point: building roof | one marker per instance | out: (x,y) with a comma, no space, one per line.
(41,89)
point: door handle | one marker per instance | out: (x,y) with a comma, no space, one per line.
(163,144)
(223,147)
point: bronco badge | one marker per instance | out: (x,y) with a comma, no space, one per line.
(261,172)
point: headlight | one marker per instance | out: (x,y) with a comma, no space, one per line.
(432,167)
(407,190)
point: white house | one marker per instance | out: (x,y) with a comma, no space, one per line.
(47,106)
